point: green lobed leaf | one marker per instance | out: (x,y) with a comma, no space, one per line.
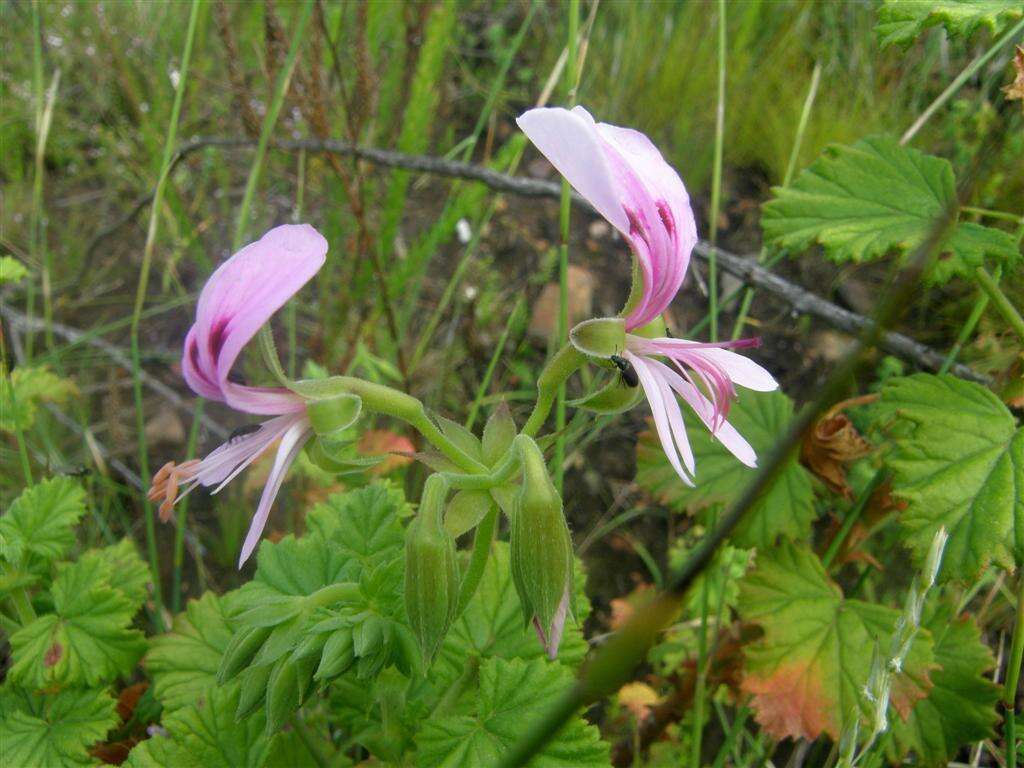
(957,461)
(901,21)
(807,673)
(362,525)
(492,624)
(41,522)
(513,695)
(784,509)
(183,663)
(120,567)
(960,709)
(875,197)
(55,729)
(206,735)
(88,638)
(32,386)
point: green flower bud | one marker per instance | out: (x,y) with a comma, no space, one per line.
(337,656)
(332,415)
(431,572)
(253,690)
(541,550)
(602,337)
(240,651)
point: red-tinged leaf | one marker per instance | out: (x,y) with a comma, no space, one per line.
(807,673)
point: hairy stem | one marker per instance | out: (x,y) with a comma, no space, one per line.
(559,368)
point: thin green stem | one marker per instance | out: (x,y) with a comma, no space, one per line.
(270,119)
(999,300)
(179,533)
(852,517)
(140,300)
(700,684)
(969,71)
(1013,679)
(565,220)
(989,213)
(514,319)
(559,368)
(794,156)
(478,560)
(716,174)
(980,305)
(291,310)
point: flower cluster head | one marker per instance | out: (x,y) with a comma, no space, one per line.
(625,178)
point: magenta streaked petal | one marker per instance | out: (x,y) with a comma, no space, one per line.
(239,298)
(723,431)
(262,400)
(287,452)
(678,231)
(660,411)
(193,371)
(741,370)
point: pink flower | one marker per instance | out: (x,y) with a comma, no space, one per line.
(623,175)
(237,300)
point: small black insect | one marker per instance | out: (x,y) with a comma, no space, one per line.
(242,431)
(627,370)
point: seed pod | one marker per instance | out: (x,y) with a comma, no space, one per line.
(431,573)
(541,549)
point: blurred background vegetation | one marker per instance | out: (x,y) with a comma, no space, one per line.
(427,277)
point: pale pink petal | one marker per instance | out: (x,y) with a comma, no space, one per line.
(724,432)
(742,370)
(239,298)
(557,626)
(659,410)
(675,420)
(571,142)
(244,450)
(287,452)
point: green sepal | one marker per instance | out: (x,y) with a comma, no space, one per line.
(240,651)
(337,457)
(656,329)
(499,432)
(614,397)
(465,511)
(601,337)
(465,440)
(331,416)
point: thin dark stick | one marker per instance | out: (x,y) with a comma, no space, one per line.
(744,268)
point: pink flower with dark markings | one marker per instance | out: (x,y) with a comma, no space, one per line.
(237,300)
(625,178)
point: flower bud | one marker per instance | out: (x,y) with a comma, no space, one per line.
(431,573)
(330,416)
(541,550)
(601,337)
